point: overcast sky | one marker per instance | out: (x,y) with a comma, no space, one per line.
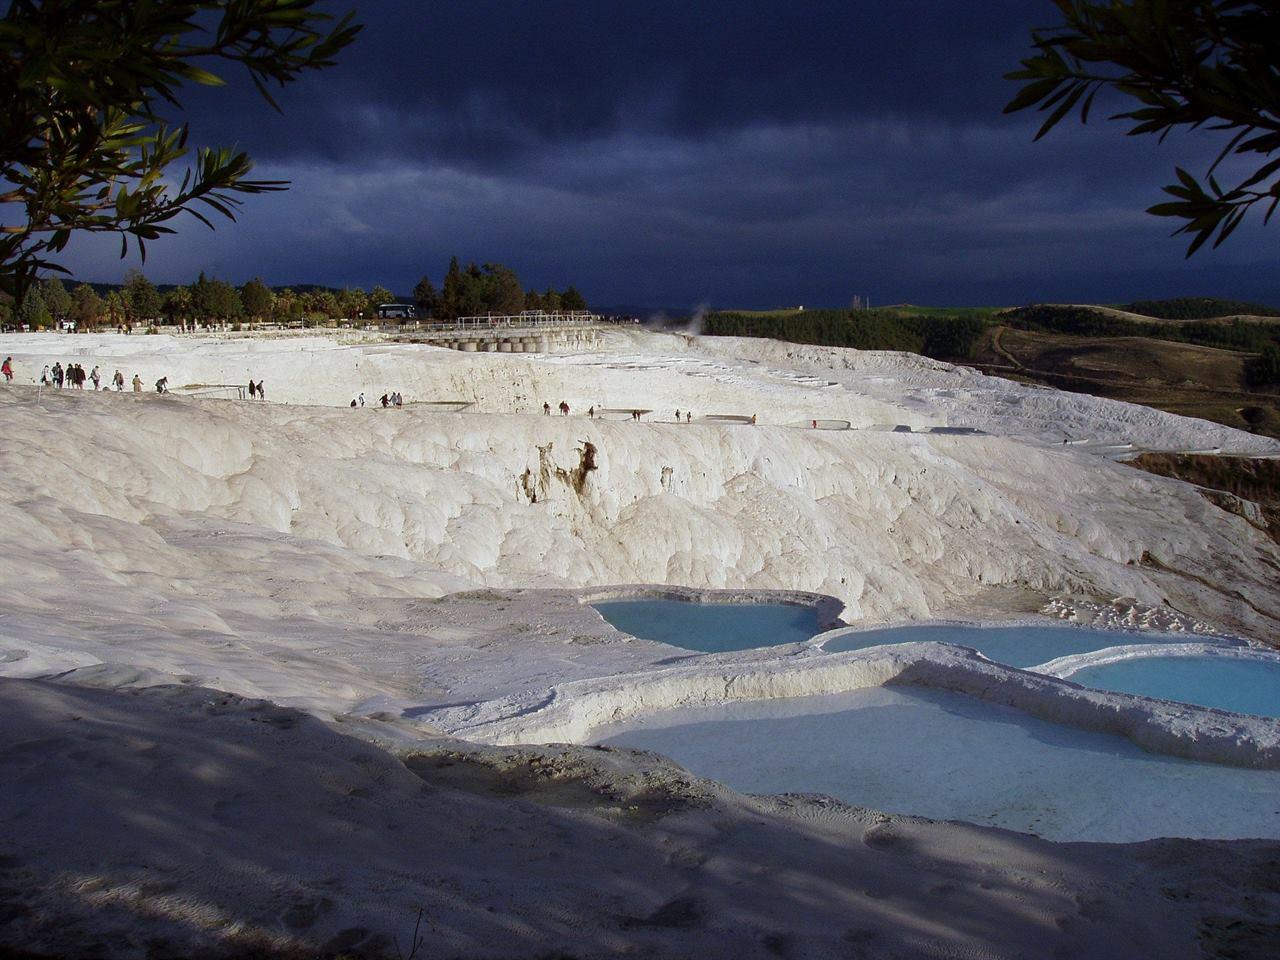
(748,154)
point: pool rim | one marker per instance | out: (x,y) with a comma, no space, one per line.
(1028,620)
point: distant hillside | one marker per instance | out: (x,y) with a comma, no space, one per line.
(941,337)
(1199,308)
(952,335)
(1089,321)
(1225,386)
(911,309)
(1221,369)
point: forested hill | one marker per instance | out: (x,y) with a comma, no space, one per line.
(1199,308)
(941,337)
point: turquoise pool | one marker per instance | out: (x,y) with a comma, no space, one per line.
(1016,646)
(712,627)
(1228,683)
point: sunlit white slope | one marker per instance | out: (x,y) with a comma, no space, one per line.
(894,524)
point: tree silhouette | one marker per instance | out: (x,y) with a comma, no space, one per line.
(1189,64)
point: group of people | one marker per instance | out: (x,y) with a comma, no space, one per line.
(591,412)
(392,398)
(73,376)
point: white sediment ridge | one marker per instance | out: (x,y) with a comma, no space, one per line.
(276,675)
(573,711)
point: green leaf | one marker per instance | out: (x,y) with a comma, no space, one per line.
(1031,94)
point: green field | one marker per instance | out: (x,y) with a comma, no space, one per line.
(911,309)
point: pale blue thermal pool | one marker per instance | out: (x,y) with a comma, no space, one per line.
(1241,685)
(948,756)
(1019,646)
(712,627)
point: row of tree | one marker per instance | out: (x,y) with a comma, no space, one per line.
(1199,308)
(940,337)
(1084,321)
(139,302)
(489,289)
(467,291)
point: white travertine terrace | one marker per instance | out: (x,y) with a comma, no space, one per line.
(401,575)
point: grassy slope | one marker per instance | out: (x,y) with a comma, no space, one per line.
(911,309)
(1181,378)
(1120,313)
(1184,378)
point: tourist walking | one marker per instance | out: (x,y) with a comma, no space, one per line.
(262,389)
(96,377)
(546,409)
(137,383)
(6,368)
(688,417)
(564,409)
(45,378)
(362,399)
(385,401)
(591,412)
(118,381)
(162,385)
(57,374)
(253,389)
(677,415)
(78,376)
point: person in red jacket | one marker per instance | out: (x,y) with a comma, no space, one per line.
(7,369)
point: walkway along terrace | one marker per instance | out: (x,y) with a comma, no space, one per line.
(533,331)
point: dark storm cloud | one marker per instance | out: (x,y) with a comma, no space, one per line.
(748,153)
(483,82)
